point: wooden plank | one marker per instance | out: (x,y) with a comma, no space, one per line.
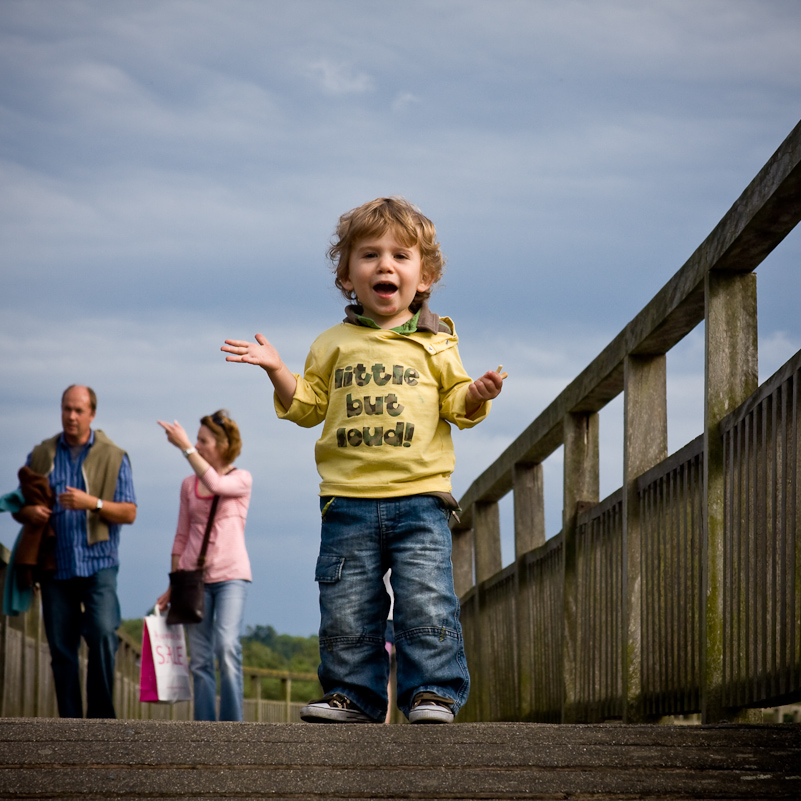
(391,754)
(620,783)
(137,759)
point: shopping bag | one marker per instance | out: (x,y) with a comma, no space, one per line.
(164,674)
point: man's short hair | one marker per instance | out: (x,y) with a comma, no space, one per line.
(92,395)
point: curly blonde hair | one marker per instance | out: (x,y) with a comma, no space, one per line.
(375,218)
(226,434)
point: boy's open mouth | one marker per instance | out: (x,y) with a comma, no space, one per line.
(385,289)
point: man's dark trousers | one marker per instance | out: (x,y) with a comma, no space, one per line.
(97,621)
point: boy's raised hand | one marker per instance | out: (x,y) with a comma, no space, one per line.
(260,352)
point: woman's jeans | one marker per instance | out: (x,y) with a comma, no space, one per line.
(217,635)
(362,539)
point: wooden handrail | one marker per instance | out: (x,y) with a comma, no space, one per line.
(686,517)
(765,213)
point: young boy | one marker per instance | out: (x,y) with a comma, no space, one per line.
(386,383)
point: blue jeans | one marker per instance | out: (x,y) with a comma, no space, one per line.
(217,636)
(65,623)
(362,539)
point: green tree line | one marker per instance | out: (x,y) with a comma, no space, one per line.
(264,647)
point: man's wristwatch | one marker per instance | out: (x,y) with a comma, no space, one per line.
(98,505)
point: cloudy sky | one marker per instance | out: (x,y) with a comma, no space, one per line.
(171,173)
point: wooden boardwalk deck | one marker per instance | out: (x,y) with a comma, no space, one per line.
(43,758)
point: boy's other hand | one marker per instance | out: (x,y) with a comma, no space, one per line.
(486,388)
(260,352)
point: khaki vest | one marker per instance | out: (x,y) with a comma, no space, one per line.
(100,470)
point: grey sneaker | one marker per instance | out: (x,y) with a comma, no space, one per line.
(431,708)
(334,708)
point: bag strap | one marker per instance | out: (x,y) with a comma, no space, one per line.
(201,559)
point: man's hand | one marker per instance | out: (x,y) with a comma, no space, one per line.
(112,511)
(73,498)
(260,352)
(35,514)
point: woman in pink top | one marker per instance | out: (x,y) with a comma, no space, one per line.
(227,573)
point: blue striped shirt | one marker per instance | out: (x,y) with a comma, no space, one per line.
(74,555)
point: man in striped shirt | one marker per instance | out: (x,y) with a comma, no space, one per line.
(94,496)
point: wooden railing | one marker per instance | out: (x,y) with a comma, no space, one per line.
(284,711)
(762,513)
(599,590)
(671,510)
(680,593)
(26,680)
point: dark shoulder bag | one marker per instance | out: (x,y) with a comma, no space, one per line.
(187,588)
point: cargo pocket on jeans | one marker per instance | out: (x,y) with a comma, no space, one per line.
(329,569)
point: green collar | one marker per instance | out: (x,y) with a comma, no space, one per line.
(409,327)
(425,321)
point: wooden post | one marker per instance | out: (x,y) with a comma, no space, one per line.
(487,528)
(581,482)
(463,540)
(644,445)
(287,685)
(731,376)
(25,664)
(529,516)
(529,504)
(257,689)
(38,667)
(83,664)
(5,558)
(487,533)
(462,558)
(119,679)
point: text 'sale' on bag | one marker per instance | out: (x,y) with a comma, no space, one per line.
(164,675)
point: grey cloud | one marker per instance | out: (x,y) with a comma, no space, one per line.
(172,172)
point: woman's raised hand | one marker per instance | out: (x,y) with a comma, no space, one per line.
(176,434)
(260,352)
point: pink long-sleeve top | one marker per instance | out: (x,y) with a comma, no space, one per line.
(226,557)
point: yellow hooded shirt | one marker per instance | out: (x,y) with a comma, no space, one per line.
(387,401)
